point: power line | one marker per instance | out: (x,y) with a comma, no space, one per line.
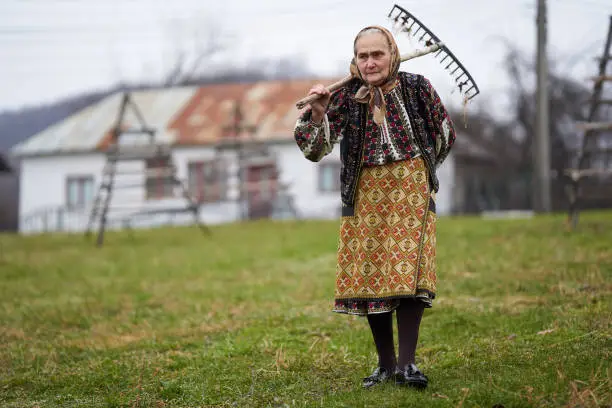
(279,12)
(583,3)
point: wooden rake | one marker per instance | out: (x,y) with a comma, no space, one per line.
(408,24)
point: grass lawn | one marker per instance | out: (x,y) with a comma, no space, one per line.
(171,318)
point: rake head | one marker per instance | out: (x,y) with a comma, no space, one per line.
(408,24)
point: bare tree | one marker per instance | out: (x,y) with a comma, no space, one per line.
(204,40)
(511,140)
(568,101)
(204,43)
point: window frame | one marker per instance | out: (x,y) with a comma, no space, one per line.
(158,187)
(82,180)
(333,166)
(207,189)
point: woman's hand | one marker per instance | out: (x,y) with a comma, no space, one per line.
(319,106)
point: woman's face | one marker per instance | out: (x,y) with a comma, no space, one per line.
(373,58)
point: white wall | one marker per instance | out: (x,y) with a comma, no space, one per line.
(295,170)
(43,186)
(302,176)
(43,193)
(446,176)
(43,179)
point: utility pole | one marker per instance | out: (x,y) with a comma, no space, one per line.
(541,151)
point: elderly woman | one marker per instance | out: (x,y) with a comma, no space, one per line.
(393,132)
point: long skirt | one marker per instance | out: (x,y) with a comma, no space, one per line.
(387,250)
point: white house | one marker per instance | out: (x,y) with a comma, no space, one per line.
(61,167)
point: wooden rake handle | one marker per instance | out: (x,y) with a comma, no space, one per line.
(337,85)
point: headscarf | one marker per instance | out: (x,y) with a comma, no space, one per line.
(374,95)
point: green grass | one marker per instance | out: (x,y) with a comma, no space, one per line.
(171,318)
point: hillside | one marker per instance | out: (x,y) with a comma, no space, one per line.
(16,126)
(175,318)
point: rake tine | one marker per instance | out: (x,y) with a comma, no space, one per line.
(457,71)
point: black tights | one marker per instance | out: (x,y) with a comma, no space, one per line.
(409,314)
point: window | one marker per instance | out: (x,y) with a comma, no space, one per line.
(261,186)
(79,191)
(207,180)
(159,179)
(267,176)
(329,176)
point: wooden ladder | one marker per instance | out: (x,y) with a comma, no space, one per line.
(592,133)
(163,169)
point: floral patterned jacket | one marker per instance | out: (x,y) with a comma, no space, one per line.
(432,129)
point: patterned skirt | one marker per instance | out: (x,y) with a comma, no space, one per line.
(387,250)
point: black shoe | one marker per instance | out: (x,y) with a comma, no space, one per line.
(378,376)
(412,377)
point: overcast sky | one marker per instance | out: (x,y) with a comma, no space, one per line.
(51,49)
